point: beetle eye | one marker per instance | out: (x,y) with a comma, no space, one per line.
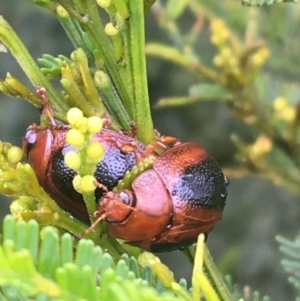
(29,142)
(125,197)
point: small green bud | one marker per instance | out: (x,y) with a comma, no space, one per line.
(75,138)
(95,124)
(87,183)
(74,115)
(101,80)
(14,154)
(110,30)
(73,160)
(95,151)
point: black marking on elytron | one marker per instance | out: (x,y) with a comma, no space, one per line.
(108,172)
(202,185)
(113,168)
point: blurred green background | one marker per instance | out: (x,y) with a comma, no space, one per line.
(243,243)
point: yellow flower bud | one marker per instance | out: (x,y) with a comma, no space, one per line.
(14,154)
(218,60)
(260,56)
(76,183)
(280,103)
(87,183)
(95,124)
(110,30)
(82,125)
(288,114)
(73,160)
(261,146)
(74,115)
(95,151)
(75,138)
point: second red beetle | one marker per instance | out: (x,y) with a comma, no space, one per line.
(168,206)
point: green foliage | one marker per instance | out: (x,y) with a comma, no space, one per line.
(236,72)
(291,251)
(100,77)
(36,266)
(106,75)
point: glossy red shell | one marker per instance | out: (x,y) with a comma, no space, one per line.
(182,196)
(45,149)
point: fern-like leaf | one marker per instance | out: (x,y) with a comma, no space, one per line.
(291,261)
(45,268)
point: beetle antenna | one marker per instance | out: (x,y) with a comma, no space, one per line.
(94,224)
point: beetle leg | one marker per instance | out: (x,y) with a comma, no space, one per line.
(163,143)
(99,185)
(46,109)
(106,121)
(132,132)
(129,147)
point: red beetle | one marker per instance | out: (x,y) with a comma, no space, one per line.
(168,206)
(45,149)
(184,194)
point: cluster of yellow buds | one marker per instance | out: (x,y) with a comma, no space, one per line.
(88,152)
(226,58)
(220,32)
(232,55)
(11,170)
(284,111)
(260,56)
(18,180)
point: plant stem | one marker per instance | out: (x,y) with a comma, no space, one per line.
(215,278)
(212,273)
(100,39)
(142,114)
(19,51)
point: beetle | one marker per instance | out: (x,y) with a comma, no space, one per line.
(183,195)
(45,148)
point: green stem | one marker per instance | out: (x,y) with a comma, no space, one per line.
(90,89)
(211,273)
(142,114)
(215,278)
(122,8)
(112,99)
(19,51)
(94,28)
(72,30)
